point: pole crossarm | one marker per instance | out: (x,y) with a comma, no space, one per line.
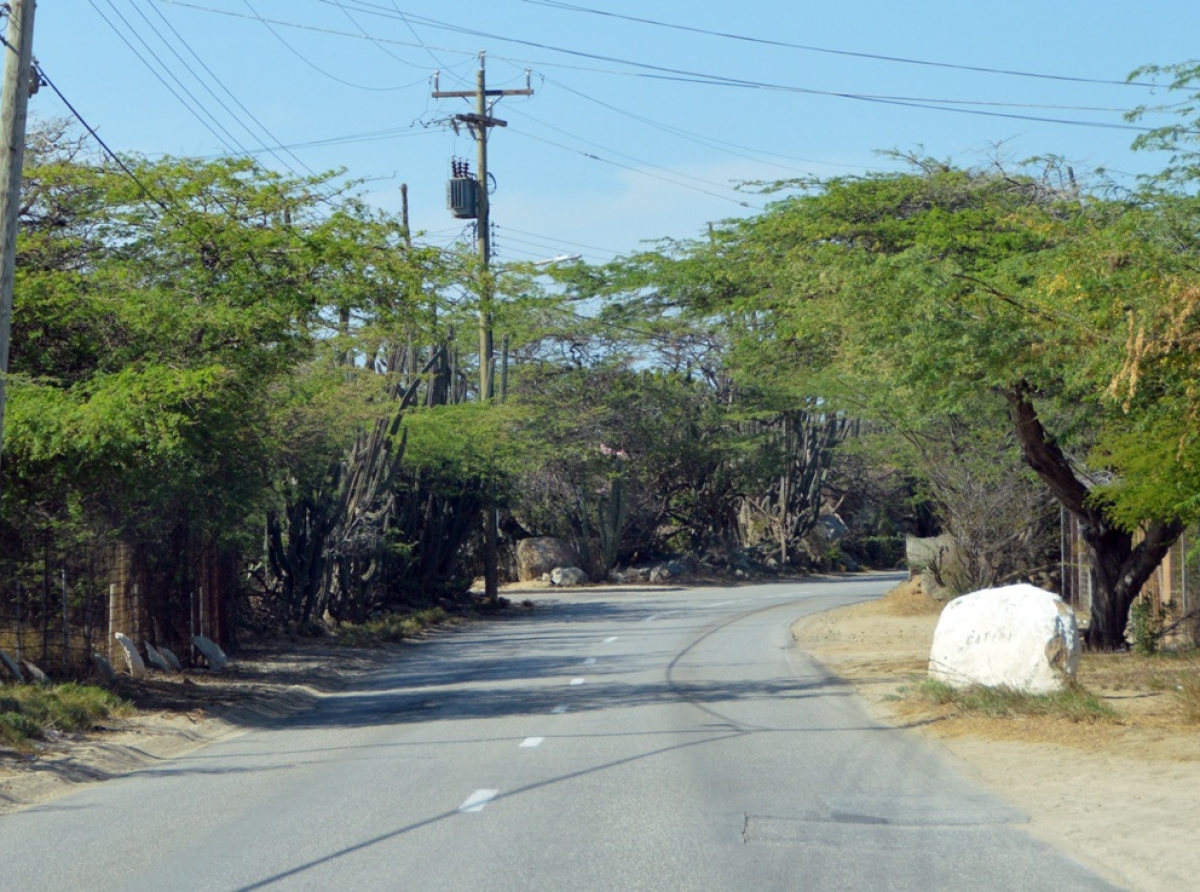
(471,94)
(481,120)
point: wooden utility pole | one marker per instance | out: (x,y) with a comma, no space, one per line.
(480,123)
(14,100)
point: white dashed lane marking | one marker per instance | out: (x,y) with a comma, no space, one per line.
(477,800)
(576,681)
(610,640)
(531,742)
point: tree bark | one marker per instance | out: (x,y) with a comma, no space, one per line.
(1118,566)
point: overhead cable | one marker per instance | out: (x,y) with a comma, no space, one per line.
(571,7)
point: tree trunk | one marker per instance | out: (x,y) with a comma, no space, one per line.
(1117,566)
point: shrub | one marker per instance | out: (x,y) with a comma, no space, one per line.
(17,730)
(391,627)
(1145,628)
(27,712)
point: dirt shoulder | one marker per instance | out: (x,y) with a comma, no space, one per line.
(1121,796)
(174,714)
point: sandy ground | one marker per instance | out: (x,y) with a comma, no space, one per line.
(1121,796)
(175,714)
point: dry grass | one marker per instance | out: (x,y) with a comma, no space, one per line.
(1161,689)
(908,599)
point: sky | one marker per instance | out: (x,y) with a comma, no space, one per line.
(645,116)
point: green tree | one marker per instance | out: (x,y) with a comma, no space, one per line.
(189,361)
(922,292)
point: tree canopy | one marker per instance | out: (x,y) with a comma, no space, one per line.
(943,291)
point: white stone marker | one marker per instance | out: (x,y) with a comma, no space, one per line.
(169,656)
(211,651)
(1018,637)
(157,660)
(133,659)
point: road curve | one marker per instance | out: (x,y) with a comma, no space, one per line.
(609,740)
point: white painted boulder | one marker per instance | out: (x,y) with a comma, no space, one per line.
(36,675)
(104,669)
(157,660)
(568,576)
(169,656)
(1018,637)
(211,651)
(133,659)
(11,666)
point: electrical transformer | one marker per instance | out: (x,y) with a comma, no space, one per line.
(462,197)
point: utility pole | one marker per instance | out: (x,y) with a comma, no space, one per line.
(480,123)
(14,100)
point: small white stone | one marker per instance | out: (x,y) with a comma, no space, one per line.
(133,659)
(157,660)
(211,651)
(169,656)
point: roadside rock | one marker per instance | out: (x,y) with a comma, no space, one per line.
(11,666)
(133,659)
(568,576)
(1019,637)
(542,554)
(211,651)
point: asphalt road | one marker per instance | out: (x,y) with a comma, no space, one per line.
(651,740)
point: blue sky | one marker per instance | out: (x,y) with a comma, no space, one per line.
(637,130)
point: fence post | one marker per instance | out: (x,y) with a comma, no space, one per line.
(66,623)
(137,613)
(20,620)
(112,620)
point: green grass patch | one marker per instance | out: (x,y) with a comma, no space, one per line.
(1075,703)
(28,712)
(391,627)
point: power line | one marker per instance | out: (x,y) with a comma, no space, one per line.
(105,147)
(195,76)
(571,7)
(240,104)
(507,241)
(307,61)
(383,49)
(699,139)
(163,80)
(624,155)
(429,51)
(560,241)
(374,9)
(662,72)
(631,168)
(256,17)
(368,136)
